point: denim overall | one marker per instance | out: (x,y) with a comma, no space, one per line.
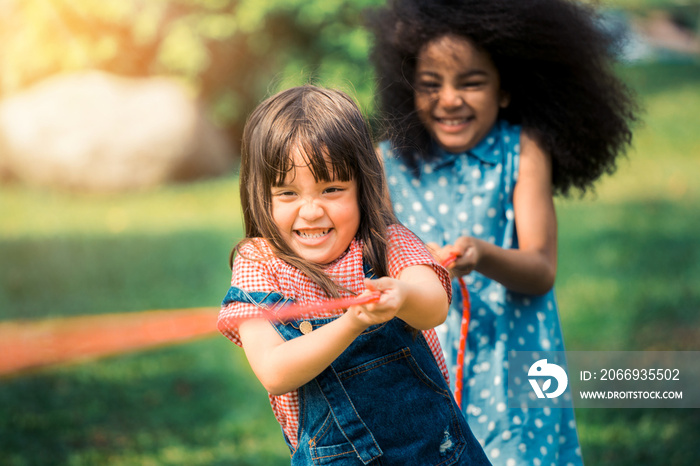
(383,401)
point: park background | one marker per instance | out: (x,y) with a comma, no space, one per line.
(629,257)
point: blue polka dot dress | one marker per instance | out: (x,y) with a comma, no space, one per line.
(471,194)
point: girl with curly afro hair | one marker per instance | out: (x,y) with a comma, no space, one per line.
(494,107)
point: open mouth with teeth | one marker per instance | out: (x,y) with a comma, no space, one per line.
(453,121)
(312,234)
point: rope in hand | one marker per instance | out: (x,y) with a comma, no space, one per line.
(463,330)
(294,311)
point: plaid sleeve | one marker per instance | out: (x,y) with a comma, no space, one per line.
(406,250)
(432,339)
(251,275)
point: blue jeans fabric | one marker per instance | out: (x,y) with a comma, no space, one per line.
(383,401)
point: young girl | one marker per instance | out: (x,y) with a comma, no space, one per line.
(496,106)
(348,387)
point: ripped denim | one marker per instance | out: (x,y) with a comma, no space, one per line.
(383,401)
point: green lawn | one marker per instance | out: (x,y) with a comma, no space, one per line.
(629,268)
(192,404)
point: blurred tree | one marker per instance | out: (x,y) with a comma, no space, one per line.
(230,53)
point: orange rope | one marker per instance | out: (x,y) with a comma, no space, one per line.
(463,330)
(293,311)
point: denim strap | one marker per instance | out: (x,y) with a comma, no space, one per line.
(259,298)
(345,415)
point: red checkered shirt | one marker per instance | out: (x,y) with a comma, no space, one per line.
(256,269)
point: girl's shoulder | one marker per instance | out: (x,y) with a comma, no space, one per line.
(504,133)
(255,249)
(398,232)
(506,128)
(406,250)
(255,268)
(501,146)
(405,244)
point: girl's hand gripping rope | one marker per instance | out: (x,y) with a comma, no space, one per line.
(295,311)
(392,295)
(462,256)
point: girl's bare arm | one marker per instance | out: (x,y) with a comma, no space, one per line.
(418,294)
(283,366)
(418,298)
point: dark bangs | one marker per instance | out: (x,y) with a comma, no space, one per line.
(325,164)
(330,148)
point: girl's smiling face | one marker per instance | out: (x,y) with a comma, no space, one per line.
(457,92)
(317,219)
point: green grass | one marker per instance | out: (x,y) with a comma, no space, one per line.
(69,254)
(194,404)
(628,275)
(629,265)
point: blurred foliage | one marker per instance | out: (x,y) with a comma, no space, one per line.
(684,13)
(230,53)
(641,5)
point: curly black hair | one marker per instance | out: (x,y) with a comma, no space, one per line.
(554,60)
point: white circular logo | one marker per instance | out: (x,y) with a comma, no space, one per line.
(543,369)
